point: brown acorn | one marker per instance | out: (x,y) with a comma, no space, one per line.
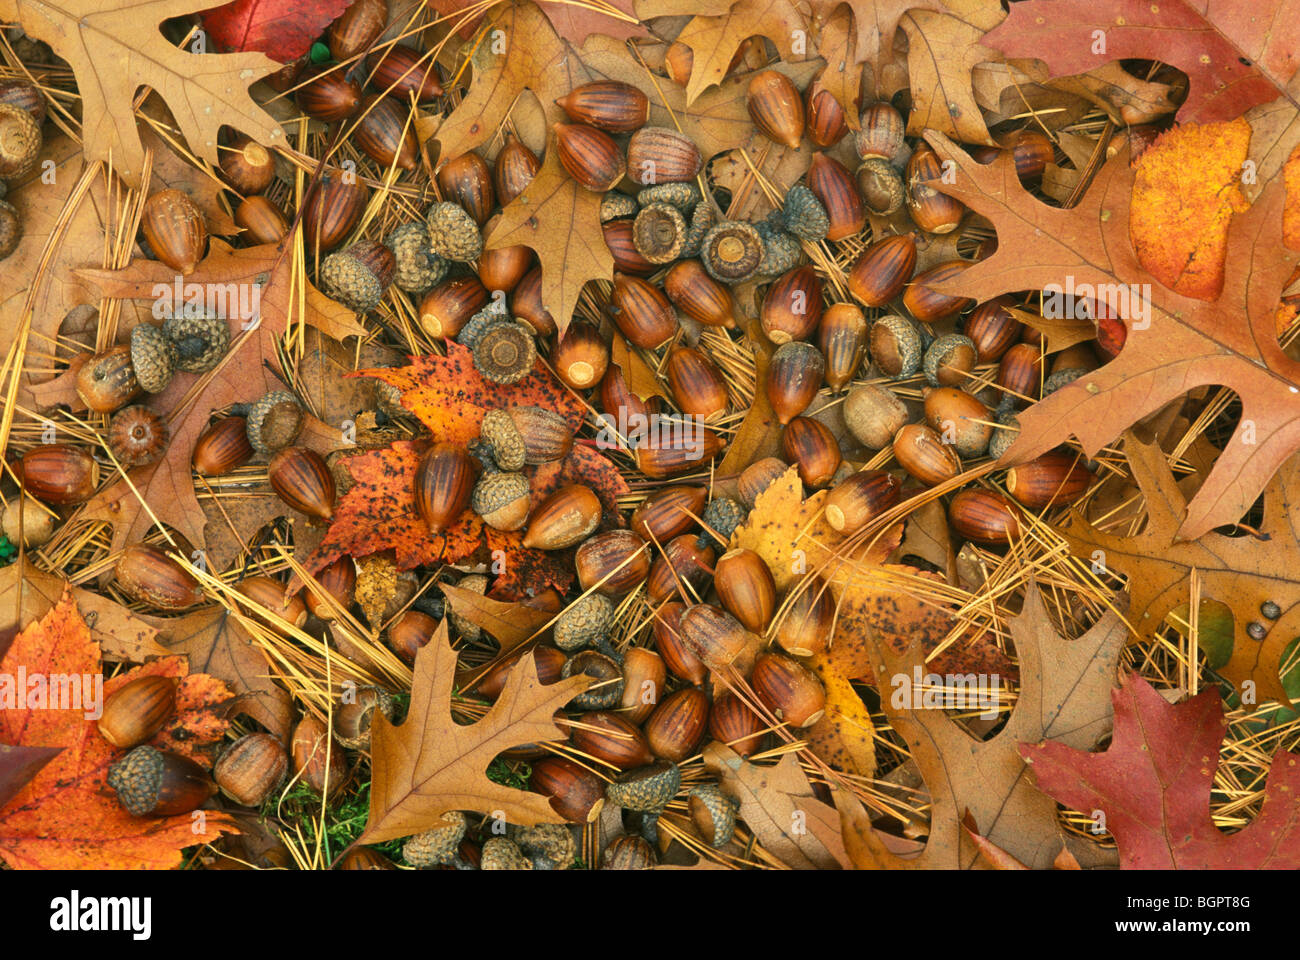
(696,383)
(526,304)
(669,512)
(270,595)
(576,794)
(137,436)
(331,210)
(262,220)
(928,305)
(358,28)
(566,517)
(609,105)
(661,155)
(581,356)
(173,225)
(861,497)
(610,739)
(620,239)
(874,415)
(642,312)
(678,656)
(993,329)
(409,633)
(514,170)
(444,482)
(250,768)
(503,268)
(246,165)
(1020,373)
(949,360)
(339,581)
(467,180)
(882,271)
(644,675)
(301,479)
(810,445)
(678,724)
(985,517)
(58,473)
(400,71)
(794,377)
(922,453)
(20,93)
(746,588)
(932,211)
(804,628)
(776,108)
(881,130)
(318,761)
(135,712)
(679,452)
(735,725)
(831,181)
(757,477)
(355,716)
(618,401)
(1056,479)
(895,344)
(546,435)
(959,419)
(284,79)
(548,661)
(1032,152)
(880,186)
(842,337)
(717,638)
(789,689)
(611,563)
(153,783)
(698,295)
(383,134)
(792,306)
(446,308)
(683,567)
(825,123)
(148,575)
(589,155)
(328,95)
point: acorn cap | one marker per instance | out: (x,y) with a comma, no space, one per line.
(475,583)
(659,232)
(438,846)
(714,813)
(586,621)
(615,205)
(731,251)
(274,421)
(11,227)
(20,142)
(804,215)
(781,250)
(606,691)
(508,449)
(502,854)
(351,282)
(683,196)
(645,789)
(550,845)
(418,268)
(702,220)
(502,500)
(153,356)
(506,352)
(722,515)
(477,325)
(200,341)
(453,233)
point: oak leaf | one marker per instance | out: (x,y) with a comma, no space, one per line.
(616,18)
(713,40)
(282,29)
(941,53)
(431,765)
(1154,784)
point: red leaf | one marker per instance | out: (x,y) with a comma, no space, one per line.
(282,29)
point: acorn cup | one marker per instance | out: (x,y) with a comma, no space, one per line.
(609,105)
(746,588)
(612,563)
(842,337)
(985,517)
(678,724)
(659,233)
(446,308)
(776,108)
(467,180)
(810,445)
(882,271)
(513,170)
(383,134)
(1058,478)
(805,627)
(792,307)
(590,156)
(789,689)
(696,383)
(148,575)
(444,482)
(581,357)
(300,478)
(831,181)
(173,225)
(684,567)
(566,517)
(642,312)
(698,295)
(669,512)
(861,497)
(794,377)
(949,360)
(678,656)
(58,473)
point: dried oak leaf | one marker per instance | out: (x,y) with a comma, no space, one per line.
(1154,784)
(509,622)
(942,51)
(1064,695)
(282,29)
(66,816)
(714,39)
(116,46)
(1230,341)
(431,764)
(1241,572)
(243,375)
(616,18)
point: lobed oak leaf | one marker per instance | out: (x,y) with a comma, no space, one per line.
(1154,783)
(282,29)
(615,18)
(714,39)
(942,51)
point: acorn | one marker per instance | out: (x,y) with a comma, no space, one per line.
(732,251)
(959,419)
(135,712)
(804,629)
(107,381)
(644,675)
(792,306)
(824,117)
(137,436)
(575,793)
(547,661)
(331,210)
(697,385)
(661,155)
(261,220)
(500,853)
(882,271)
(502,500)
(874,414)
(364,858)
(590,156)
(746,588)
(1032,152)
(20,142)
(842,337)
(608,105)
(789,689)
(20,93)
(153,358)
(506,353)
(794,376)
(401,71)
(679,61)
(383,133)
(684,567)
(659,233)
(810,445)
(250,768)
(880,186)
(757,477)
(546,434)
(949,360)
(678,453)
(526,304)
(668,512)
(629,852)
(513,170)
(274,421)
(610,739)
(696,294)
(444,482)
(270,594)
(318,762)
(446,308)
(355,716)
(453,233)
(152,783)
(803,215)
(646,789)
(358,27)
(927,304)
(932,211)
(466,180)
(831,182)
(301,479)
(339,582)
(677,725)
(678,656)
(861,497)
(566,517)
(619,402)
(148,575)
(1056,479)
(284,79)
(682,197)
(703,219)
(621,242)
(615,205)
(174,228)
(503,268)
(1020,373)
(613,562)
(992,329)
(985,517)
(246,165)
(358,276)
(606,691)
(581,356)
(720,519)
(922,453)
(58,473)
(642,312)
(735,725)
(880,133)
(713,813)
(584,622)
(776,108)
(716,637)
(410,632)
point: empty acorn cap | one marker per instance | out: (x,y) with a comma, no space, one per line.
(702,221)
(506,352)
(659,233)
(804,215)
(731,251)
(153,356)
(274,421)
(616,205)
(200,341)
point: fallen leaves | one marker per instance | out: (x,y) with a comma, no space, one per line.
(282,29)
(713,40)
